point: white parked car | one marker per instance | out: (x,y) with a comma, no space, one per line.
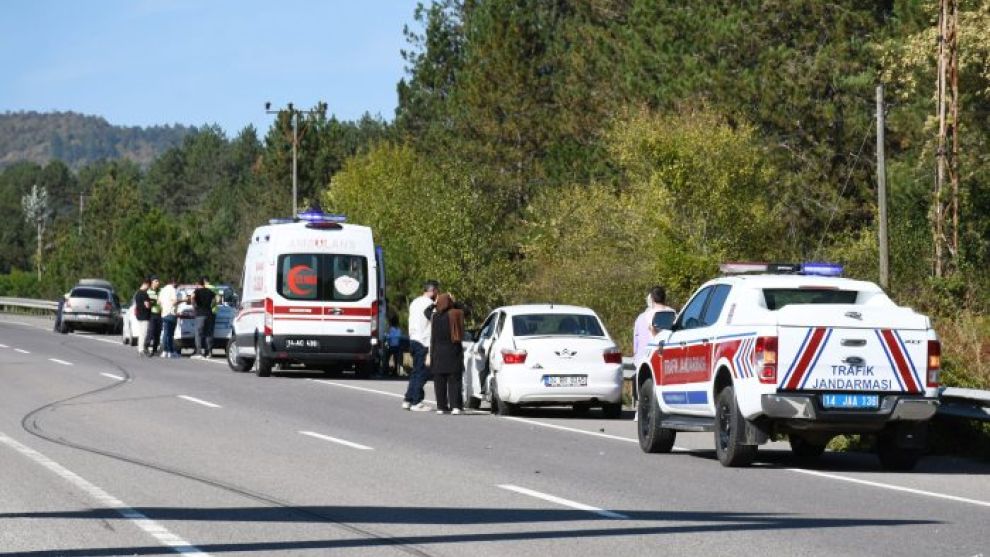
(185,328)
(543,355)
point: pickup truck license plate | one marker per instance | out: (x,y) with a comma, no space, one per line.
(304,343)
(843,400)
(565,380)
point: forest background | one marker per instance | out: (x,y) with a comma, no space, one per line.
(554,150)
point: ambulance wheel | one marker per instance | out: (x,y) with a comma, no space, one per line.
(365,370)
(804,450)
(235,362)
(262,365)
(653,438)
(730,426)
(895,458)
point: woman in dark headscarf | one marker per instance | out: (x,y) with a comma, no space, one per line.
(447,355)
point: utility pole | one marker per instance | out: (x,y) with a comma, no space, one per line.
(82,206)
(946,197)
(882,193)
(294,116)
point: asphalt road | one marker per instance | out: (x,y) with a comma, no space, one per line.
(106,453)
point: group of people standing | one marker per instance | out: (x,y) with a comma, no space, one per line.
(156,317)
(436,330)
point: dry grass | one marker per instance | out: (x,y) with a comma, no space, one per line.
(965,350)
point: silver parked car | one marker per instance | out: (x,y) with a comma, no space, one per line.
(91,305)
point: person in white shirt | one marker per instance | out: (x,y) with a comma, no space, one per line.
(420,311)
(656,300)
(168,300)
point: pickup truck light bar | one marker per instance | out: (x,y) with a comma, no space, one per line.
(812,268)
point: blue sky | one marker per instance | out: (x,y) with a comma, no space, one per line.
(145,62)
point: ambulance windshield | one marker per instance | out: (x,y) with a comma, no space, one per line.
(322,277)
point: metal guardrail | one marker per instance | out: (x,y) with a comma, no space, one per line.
(27,303)
(971,404)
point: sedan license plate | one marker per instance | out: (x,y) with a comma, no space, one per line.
(850,401)
(304,343)
(565,380)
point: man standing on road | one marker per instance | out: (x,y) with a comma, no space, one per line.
(419,342)
(168,300)
(202,300)
(656,300)
(142,313)
(155,323)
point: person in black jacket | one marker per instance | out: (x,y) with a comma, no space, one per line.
(447,355)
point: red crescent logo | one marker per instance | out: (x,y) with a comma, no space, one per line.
(302,281)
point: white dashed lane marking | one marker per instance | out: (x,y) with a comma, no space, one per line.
(112,376)
(199,401)
(21,351)
(336,440)
(563,502)
(62,362)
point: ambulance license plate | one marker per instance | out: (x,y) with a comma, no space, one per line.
(850,401)
(303,343)
(565,380)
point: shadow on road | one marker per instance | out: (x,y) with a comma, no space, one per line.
(702,522)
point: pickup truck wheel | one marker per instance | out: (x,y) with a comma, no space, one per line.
(234,360)
(895,458)
(473,402)
(804,450)
(653,438)
(262,365)
(729,428)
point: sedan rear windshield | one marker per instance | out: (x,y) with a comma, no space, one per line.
(543,324)
(322,277)
(92,293)
(777,298)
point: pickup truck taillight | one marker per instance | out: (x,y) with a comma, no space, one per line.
(514,356)
(934,362)
(613,356)
(766,359)
(269,316)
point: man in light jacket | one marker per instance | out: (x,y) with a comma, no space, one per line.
(419,342)
(168,301)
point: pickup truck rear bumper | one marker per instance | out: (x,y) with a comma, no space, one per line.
(807,407)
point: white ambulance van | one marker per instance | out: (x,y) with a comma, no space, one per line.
(313,294)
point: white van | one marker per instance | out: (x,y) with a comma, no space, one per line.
(313,294)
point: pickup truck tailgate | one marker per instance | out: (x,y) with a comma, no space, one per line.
(852,348)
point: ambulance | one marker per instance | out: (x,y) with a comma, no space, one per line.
(795,350)
(313,295)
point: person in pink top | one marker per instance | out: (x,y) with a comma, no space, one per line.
(656,300)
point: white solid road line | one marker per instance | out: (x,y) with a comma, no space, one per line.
(366,390)
(891,487)
(57,361)
(21,351)
(336,440)
(563,502)
(112,376)
(154,529)
(199,401)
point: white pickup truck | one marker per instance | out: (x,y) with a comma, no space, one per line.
(753,356)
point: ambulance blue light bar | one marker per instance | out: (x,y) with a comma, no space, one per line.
(821,269)
(320,216)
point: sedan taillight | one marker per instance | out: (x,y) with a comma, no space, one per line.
(613,356)
(514,356)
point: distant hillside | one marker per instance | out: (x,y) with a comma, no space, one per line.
(77,139)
